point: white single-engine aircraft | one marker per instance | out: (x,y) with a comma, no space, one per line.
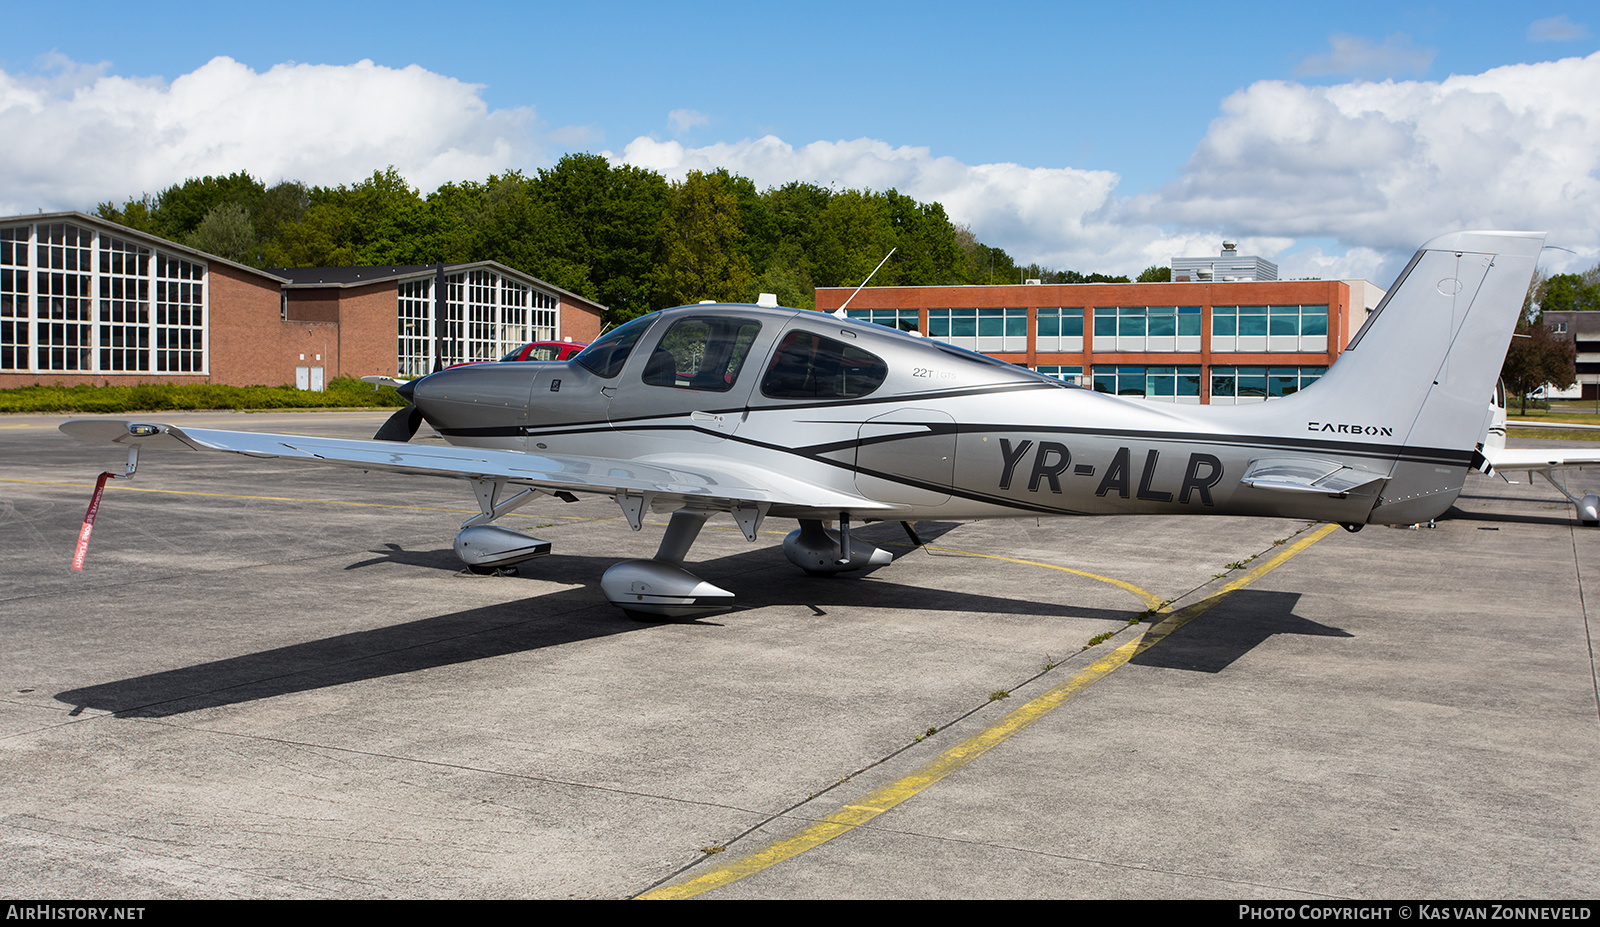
(1544,461)
(757,412)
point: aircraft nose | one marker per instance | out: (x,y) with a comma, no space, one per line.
(407,388)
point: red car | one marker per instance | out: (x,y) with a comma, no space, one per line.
(538,351)
(546,351)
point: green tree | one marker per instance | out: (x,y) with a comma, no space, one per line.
(182,207)
(135,214)
(1569,292)
(380,220)
(227,232)
(618,234)
(281,203)
(517,226)
(854,232)
(1155,273)
(1535,358)
(927,252)
(701,240)
(610,217)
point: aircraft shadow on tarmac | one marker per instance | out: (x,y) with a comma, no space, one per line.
(760,578)
(1232,628)
(1562,518)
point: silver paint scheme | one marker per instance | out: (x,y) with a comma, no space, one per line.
(1385,437)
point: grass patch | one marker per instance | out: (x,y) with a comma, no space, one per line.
(1553,434)
(342,393)
(1571,413)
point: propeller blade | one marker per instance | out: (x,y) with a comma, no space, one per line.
(401,426)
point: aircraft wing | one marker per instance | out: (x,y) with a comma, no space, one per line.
(1540,459)
(705,481)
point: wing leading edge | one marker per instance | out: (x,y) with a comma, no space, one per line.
(698,482)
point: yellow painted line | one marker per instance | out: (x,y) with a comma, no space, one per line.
(870,806)
(1151,600)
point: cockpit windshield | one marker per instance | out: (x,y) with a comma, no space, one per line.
(607,355)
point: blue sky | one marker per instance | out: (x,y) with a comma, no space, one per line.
(1078,135)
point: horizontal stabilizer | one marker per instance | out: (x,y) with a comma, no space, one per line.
(1307,475)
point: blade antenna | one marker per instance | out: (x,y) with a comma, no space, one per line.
(840,311)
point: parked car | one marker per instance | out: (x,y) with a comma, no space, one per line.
(546,351)
(538,351)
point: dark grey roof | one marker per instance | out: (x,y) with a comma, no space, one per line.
(311,277)
(350,276)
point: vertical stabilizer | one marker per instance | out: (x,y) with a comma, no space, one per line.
(1421,372)
(1427,359)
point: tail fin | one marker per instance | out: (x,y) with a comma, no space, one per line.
(1428,357)
(1421,372)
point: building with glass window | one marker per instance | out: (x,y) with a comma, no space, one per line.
(1190,342)
(83,300)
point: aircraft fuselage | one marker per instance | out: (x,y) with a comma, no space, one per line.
(946,433)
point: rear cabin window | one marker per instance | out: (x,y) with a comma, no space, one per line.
(701,353)
(811,366)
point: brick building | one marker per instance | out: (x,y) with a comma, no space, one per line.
(1192,342)
(83,300)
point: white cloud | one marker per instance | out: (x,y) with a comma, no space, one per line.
(1049,215)
(1355,264)
(1372,168)
(83,136)
(682,120)
(1355,56)
(1377,168)
(1556,29)
(1388,165)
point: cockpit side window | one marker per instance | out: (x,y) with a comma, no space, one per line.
(607,355)
(704,353)
(811,366)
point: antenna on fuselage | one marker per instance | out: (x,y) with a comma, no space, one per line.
(839,312)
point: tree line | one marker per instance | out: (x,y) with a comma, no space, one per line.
(623,236)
